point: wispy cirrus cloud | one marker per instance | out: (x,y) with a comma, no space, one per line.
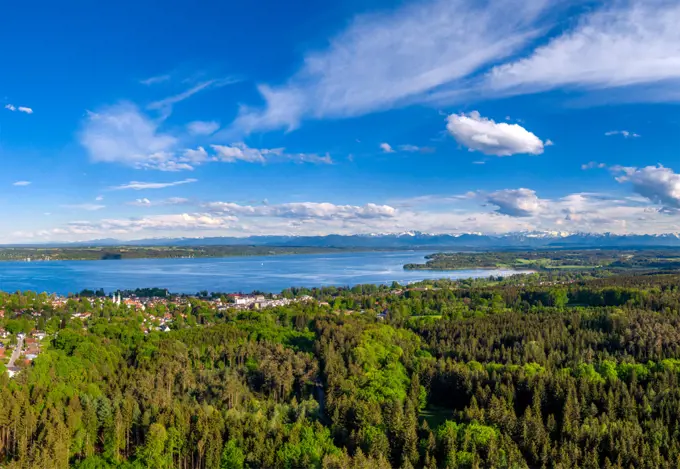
(85,206)
(240,152)
(21,183)
(622,43)
(123,134)
(383,60)
(155,79)
(145,202)
(623,133)
(165,104)
(203,127)
(138,185)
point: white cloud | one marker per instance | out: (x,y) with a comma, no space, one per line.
(386,59)
(309,158)
(144,202)
(24,109)
(409,148)
(137,185)
(623,133)
(386,147)
(184,221)
(165,105)
(592,165)
(155,80)
(623,43)
(503,211)
(141,202)
(22,183)
(306,210)
(656,183)
(85,206)
(203,127)
(195,157)
(242,152)
(516,202)
(99,198)
(122,134)
(484,135)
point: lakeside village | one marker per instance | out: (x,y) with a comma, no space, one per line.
(26,331)
(19,346)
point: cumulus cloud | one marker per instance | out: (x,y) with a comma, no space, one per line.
(137,185)
(141,202)
(195,157)
(22,183)
(623,133)
(386,147)
(10,107)
(503,211)
(478,133)
(184,221)
(656,183)
(516,202)
(623,43)
(241,152)
(305,210)
(202,127)
(386,59)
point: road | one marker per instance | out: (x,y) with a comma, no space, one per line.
(17,351)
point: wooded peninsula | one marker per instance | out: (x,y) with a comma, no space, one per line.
(84,253)
(611,260)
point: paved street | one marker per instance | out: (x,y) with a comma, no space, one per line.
(17,351)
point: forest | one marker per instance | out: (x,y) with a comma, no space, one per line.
(612,260)
(91,253)
(547,370)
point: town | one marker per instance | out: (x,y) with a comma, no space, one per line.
(27,329)
(22,338)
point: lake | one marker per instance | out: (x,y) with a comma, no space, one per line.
(232,274)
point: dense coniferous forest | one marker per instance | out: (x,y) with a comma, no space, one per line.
(527,372)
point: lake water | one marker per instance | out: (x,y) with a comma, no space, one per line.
(234,274)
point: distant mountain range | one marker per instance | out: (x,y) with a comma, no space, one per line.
(416,240)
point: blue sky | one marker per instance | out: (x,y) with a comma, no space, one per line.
(161,119)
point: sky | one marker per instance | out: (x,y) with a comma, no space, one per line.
(149,119)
